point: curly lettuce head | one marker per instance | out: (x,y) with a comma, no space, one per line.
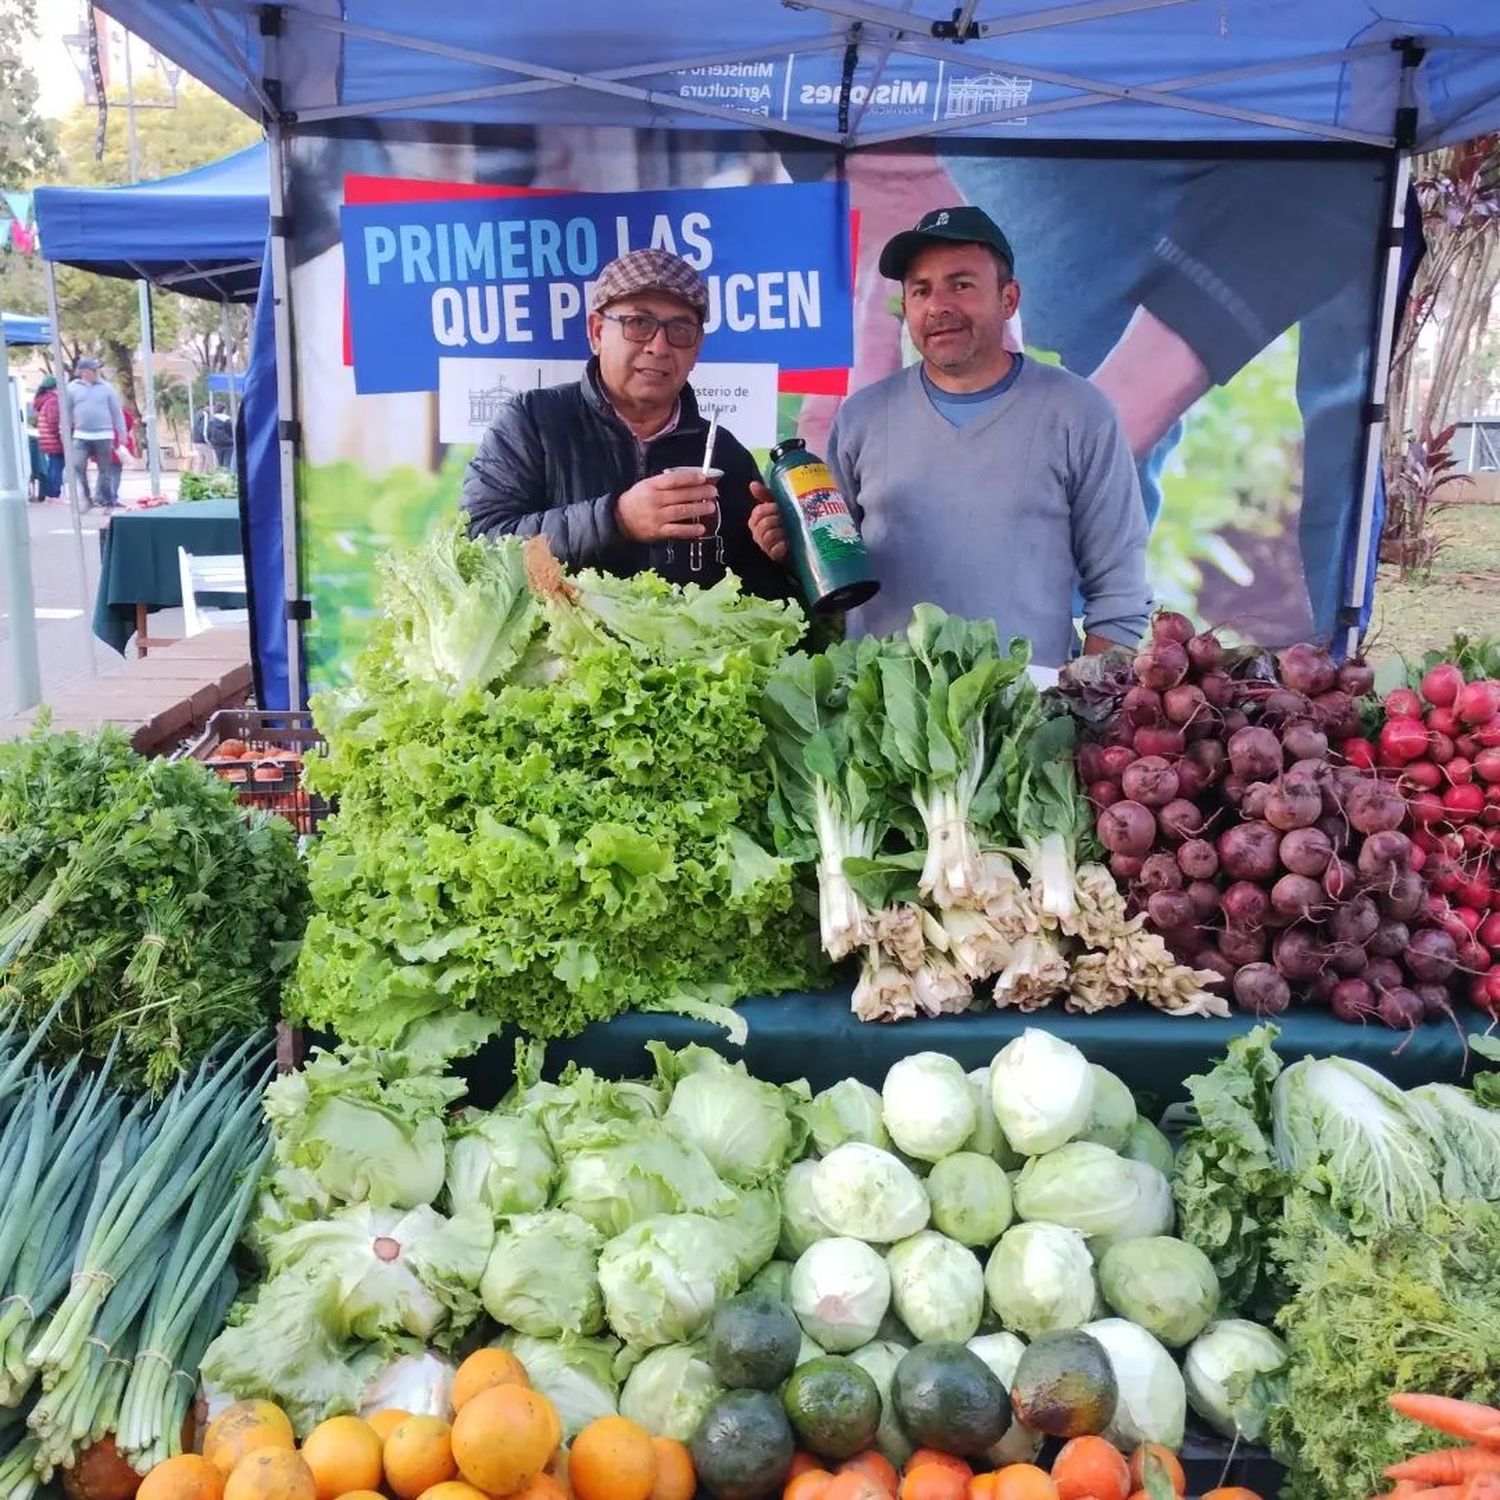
(662,1277)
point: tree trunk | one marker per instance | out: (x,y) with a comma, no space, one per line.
(122,356)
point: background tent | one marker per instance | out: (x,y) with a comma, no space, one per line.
(846,74)
(201,233)
(24,328)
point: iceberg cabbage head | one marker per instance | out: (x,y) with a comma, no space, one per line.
(662,1277)
(1152,1407)
(1040,1277)
(937,1287)
(1220,1370)
(929,1106)
(1042,1090)
(841,1289)
(869,1194)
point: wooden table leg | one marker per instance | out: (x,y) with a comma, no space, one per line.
(140,630)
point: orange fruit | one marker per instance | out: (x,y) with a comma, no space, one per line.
(1157,1455)
(1023,1482)
(539,1487)
(855,1485)
(1231,1492)
(271,1474)
(810,1484)
(612,1459)
(344,1454)
(418,1455)
(877,1466)
(676,1479)
(802,1462)
(386,1422)
(451,1489)
(934,1482)
(241,1429)
(505,1435)
(982,1486)
(943,1460)
(1091,1467)
(485,1368)
(365,1495)
(186,1477)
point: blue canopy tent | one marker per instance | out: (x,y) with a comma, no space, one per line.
(26,329)
(200,233)
(1176,71)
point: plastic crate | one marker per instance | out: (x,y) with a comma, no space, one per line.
(265,777)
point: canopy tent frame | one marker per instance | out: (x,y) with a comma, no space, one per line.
(892,32)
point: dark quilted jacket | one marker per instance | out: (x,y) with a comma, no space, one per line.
(554,462)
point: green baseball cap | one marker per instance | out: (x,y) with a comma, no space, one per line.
(951,226)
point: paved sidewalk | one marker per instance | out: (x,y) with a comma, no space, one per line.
(66,647)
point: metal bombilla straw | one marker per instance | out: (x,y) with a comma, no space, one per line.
(695,548)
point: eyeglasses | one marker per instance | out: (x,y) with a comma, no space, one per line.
(640,328)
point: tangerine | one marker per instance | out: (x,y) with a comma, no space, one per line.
(877,1466)
(242,1428)
(485,1368)
(418,1456)
(186,1477)
(612,1459)
(344,1454)
(934,1482)
(271,1474)
(504,1435)
(1154,1454)
(1091,1467)
(1023,1482)
(676,1479)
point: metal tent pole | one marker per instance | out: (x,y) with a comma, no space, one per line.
(70,469)
(1380,374)
(234,403)
(143,292)
(15,550)
(286,392)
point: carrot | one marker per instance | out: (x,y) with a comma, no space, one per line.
(1463,1419)
(1484,1486)
(1447,1465)
(1440,1492)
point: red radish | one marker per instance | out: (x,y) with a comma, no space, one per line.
(1443,721)
(1426,839)
(1442,685)
(1463,802)
(1444,875)
(1351,1000)
(1152,739)
(1427,807)
(1477,892)
(1105,793)
(1492,792)
(1459,771)
(1360,753)
(1113,761)
(1487,765)
(1479,702)
(1422,775)
(1475,959)
(1488,931)
(1467,746)
(1469,918)
(1440,749)
(1486,993)
(1488,735)
(1471,838)
(1455,926)
(1402,740)
(1403,704)
(1418,859)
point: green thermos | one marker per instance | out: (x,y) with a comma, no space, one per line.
(827,553)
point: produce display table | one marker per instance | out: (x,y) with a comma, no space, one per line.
(816,1037)
(138,569)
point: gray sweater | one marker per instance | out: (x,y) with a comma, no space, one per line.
(1004,517)
(95,408)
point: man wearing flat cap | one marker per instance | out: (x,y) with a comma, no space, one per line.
(988,482)
(589,466)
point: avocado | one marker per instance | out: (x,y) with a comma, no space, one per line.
(743,1447)
(753,1342)
(946,1397)
(1065,1385)
(833,1406)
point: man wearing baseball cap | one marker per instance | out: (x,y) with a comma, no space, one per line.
(989,483)
(98,429)
(610,468)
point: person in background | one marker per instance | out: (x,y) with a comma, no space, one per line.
(221,436)
(98,428)
(48,408)
(590,466)
(203,450)
(989,483)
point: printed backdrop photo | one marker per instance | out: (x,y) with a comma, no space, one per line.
(1227,305)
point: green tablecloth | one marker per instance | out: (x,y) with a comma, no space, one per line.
(817,1037)
(138,560)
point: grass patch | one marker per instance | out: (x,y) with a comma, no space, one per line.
(1462,592)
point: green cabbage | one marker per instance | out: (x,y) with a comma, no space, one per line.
(878,1359)
(868,1194)
(1146,1144)
(970,1197)
(498,1162)
(662,1277)
(1111,1114)
(841,1289)
(1152,1406)
(1042,1090)
(1040,1277)
(543,1275)
(1002,1353)
(670,1390)
(937,1287)
(928,1105)
(801,1224)
(1165,1285)
(1219,1370)
(575,1375)
(1086,1187)
(846,1111)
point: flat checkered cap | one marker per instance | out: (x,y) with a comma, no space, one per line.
(650,271)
